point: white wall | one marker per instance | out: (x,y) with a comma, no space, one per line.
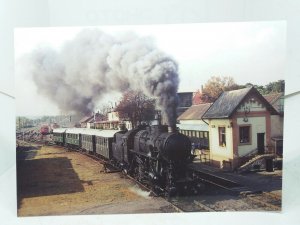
(218,152)
(113,116)
(276,126)
(128,125)
(255,106)
(192,122)
(258,125)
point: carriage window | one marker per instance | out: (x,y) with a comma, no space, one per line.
(205,134)
(201,134)
(222,136)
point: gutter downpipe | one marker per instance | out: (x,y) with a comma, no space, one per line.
(204,121)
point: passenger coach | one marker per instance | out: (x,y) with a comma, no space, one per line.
(59,136)
(97,142)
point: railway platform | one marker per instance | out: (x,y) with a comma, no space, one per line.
(250,182)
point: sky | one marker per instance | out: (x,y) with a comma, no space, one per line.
(252,52)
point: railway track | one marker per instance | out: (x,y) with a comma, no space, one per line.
(190,205)
(268,201)
(219,182)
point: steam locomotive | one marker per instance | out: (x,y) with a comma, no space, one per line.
(150,154)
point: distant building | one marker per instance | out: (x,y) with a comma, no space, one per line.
(239,126)
(192,125)
(90,121)
(199,97)
(83,122)
(113,122)
(185,100)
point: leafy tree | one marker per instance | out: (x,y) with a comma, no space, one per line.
(136,107)
(216,85)
(275,87)
(272,87)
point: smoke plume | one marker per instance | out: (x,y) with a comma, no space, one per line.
(95,63)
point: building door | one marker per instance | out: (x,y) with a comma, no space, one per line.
(261,143)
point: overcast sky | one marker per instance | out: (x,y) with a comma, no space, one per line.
(249,52)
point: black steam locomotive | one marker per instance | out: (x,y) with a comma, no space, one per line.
(150,154)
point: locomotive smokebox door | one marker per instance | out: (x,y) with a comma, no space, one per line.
(176,147)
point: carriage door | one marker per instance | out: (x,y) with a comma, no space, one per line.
(261,143)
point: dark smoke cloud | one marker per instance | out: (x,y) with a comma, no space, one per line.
(94,64)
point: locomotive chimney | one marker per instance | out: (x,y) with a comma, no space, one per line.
(158,117)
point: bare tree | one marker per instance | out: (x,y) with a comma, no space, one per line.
(136,107)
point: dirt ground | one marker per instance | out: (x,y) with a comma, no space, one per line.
(53,181)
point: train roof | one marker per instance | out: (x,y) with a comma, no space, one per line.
(59,130)
(96,132)
(108,133)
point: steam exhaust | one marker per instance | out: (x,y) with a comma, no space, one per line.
(94,64)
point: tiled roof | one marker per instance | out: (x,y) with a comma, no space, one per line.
(272,98)
(195,112)
(85,119)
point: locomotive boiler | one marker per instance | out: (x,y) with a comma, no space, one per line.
(155,156)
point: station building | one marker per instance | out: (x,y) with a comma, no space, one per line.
(239,126)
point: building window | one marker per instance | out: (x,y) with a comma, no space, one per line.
(245,134)
(222,136)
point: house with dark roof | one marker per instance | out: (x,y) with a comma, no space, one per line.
(90,121)
(192,125)
(239,126)
(85,120)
